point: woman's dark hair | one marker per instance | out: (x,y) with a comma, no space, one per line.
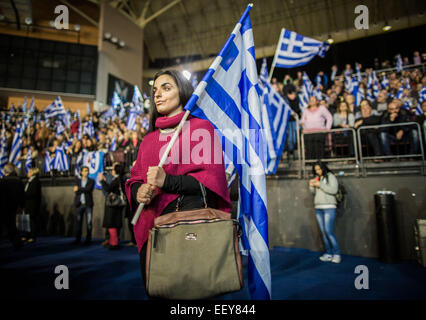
(325,170)
(119,170)
(185,91)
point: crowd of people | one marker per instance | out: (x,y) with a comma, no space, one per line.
(391,98)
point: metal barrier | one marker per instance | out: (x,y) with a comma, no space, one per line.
(326,139)
(398,155)
(376,131)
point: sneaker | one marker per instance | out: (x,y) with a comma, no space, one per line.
(336,258)
(105,243)
(326,257)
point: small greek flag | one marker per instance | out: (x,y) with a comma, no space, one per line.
(60,161)
(3,151)
(29,161)
(295,50)
(55,108)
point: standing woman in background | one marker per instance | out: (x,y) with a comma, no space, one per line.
(113,215)
(33,201)
(176,185)
(324,187)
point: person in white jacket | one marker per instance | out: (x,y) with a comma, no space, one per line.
(324,187)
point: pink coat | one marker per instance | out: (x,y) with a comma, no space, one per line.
(316,120)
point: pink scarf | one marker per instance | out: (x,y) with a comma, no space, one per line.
(210,174)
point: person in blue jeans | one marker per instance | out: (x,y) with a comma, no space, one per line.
(324,188)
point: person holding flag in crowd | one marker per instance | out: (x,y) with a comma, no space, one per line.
(212,105)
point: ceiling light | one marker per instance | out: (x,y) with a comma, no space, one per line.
(28,20)
(121,44)
(1,17)
(387,27)
(151,82)
(77,27)
(186,74)
(114,40)
(107,35)
(52,23)
(330,40)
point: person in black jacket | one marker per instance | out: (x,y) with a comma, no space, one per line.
(398,133)
(83,202)
(113,215)
(371,136)
(33,201)
(11,200)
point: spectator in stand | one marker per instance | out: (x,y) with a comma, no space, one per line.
(315,118)
(381,104)
(75,126)
(369,119)
(350,100)
(397,133)
(343,118)
(334,71)
(291,97)
(420,119)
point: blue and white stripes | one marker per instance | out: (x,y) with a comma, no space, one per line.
(295,50)
(15,152)
(307,91)
(275,116)
(3,151)
(60,161)
(55,108)
(228,96)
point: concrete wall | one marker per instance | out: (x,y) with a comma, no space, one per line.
(64,223)
(125,63)
(292,220)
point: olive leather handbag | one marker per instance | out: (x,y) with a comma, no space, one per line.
(193,254)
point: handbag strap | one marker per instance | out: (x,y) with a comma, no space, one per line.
(203,192)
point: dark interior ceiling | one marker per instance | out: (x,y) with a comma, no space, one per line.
(199,28)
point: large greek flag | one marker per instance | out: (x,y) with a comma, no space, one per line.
(228,97)
(55,108)
(275,116)
(295,50)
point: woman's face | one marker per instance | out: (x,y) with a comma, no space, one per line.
(166,95)
(318,170)
(343,107)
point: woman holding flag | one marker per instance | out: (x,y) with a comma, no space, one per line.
(162,189)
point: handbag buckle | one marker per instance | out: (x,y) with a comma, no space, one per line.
(191,236)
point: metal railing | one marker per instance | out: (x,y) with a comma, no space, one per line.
(377,130)
(360,160)
(330,145)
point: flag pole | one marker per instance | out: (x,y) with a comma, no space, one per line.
(275,56)
(193,99)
